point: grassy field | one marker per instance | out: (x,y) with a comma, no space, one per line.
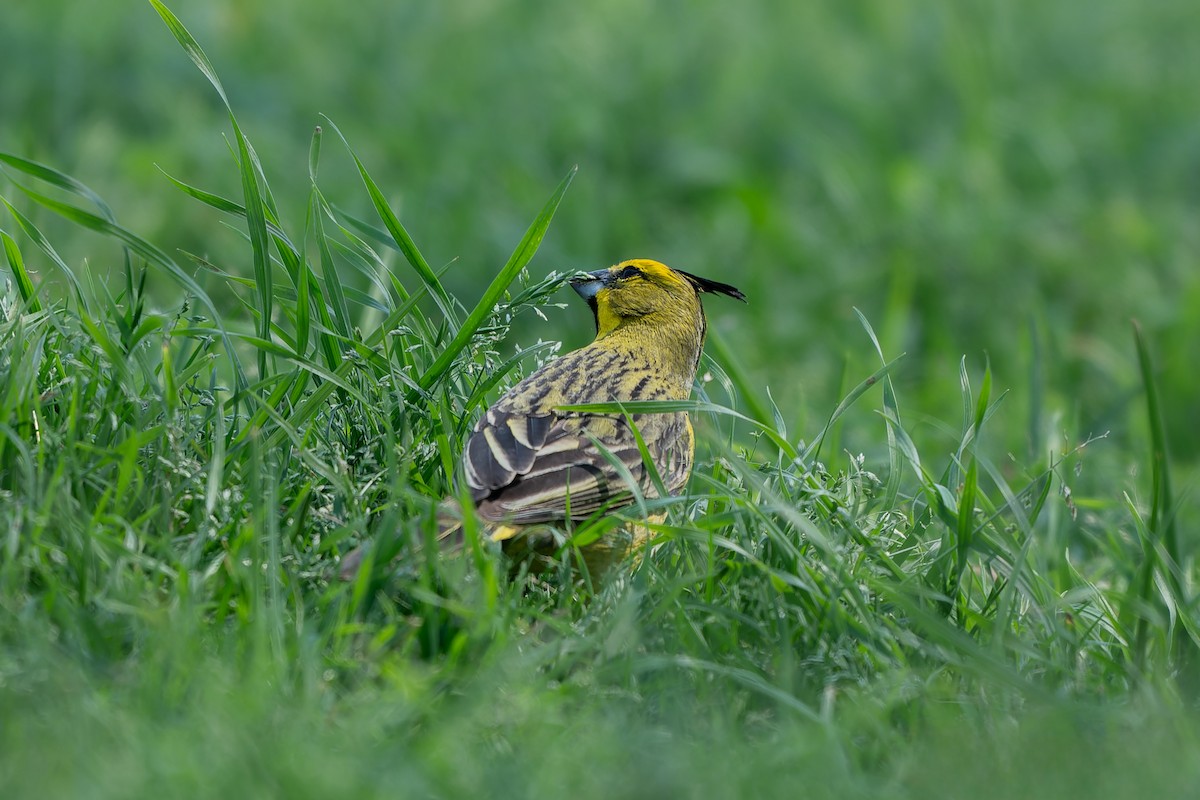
(941,536)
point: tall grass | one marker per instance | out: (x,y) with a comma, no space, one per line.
(177,485)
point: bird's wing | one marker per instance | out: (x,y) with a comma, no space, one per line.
(545,468)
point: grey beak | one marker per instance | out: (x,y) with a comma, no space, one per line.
(588,287)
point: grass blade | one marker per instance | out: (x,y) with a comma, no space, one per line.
(17,264)
(257,224)
(255,216)
(151,253)
(405,242)
(525,249)
(814,449)
(31,230)
(333,283)
(191,47)
(1161,529)
(1162,521)
(56,178)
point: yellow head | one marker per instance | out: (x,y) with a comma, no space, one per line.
(642,292)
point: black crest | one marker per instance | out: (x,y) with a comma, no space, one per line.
(714,287)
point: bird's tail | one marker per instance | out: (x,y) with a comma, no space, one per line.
(449,539)
(540,542)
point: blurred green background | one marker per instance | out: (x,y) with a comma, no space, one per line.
(1009,181)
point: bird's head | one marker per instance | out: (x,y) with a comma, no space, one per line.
(645,291)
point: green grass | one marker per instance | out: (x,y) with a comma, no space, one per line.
(939,578)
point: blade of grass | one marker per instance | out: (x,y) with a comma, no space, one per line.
(333,283)
(56,178)
(1161,527)
(1161,523)
(12,254)
(151,253)
(315,401)
(891,408)
(255,215)
(521,256)
(31,230)
(257,223)
(232,207)
(403,241)
(814,449)
(730,364)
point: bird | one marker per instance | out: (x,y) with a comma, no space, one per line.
(531,466)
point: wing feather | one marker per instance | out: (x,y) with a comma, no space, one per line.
(569,475)
(528,462)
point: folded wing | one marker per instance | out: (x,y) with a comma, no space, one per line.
(550,467)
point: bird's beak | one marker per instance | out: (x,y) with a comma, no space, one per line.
(587,287)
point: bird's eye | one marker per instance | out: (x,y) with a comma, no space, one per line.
(629,272)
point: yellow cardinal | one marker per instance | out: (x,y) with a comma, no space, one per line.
(530,466)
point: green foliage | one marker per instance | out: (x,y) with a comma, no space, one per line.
(903,157)
(179,477)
